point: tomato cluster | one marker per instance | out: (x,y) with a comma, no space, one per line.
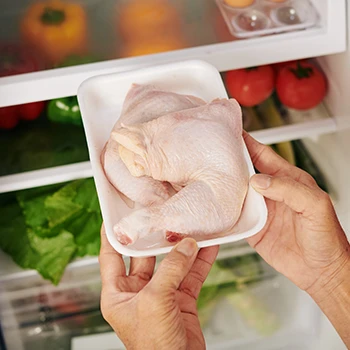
(299,84)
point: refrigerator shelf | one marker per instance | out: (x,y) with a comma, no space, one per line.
(43,177)
(64,173)
(12,276)
(328,37)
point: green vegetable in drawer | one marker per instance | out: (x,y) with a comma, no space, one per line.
(271,119)
(305,162)
(229,280)
(251,120)
(45,228)
(253,311)
(41,144)
(64,110)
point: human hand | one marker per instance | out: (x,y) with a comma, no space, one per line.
(302,238)
(155,312)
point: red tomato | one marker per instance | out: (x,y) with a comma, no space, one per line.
(31,111)
(9,117)
(301,86)
(250,86)
(280,65)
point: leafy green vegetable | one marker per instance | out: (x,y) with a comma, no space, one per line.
(44,228)
(255,313)
(244,267)
(206,295)
(41,144)
(13,237)
(228,280)
(60,207)
(53,254)
(227,276)
(77,206)
(32,202)
(48,256)
(84,229)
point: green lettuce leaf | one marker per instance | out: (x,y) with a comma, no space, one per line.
(76,208)
(53,254)
(13,236)
(45,228)
(32,202)
(49,256)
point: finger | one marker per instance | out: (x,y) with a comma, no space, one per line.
(295,195)
(264,158)
(193,282)
(175,266)
(142,267)
(267,161)
(111,262)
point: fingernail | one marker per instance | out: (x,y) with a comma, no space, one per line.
(261,181)
(187,247)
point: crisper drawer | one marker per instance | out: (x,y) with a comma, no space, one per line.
(118,35)
(37,315)
(243,305)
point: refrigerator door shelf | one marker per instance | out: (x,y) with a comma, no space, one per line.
(327,38)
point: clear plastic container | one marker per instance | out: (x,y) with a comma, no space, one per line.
(264,17)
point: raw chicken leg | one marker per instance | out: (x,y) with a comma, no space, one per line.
(142,104)
(199,151)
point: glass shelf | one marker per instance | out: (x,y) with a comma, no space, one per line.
(105,30)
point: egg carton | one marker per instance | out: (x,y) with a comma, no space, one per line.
(264,17)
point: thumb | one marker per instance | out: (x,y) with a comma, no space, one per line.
(295,195)
(175,266)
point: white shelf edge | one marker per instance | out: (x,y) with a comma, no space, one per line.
(18,273)
(295,131)
(43,177)
(83,170)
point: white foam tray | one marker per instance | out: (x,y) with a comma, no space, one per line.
(101,99)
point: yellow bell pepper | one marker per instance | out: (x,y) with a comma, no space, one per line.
(56,29)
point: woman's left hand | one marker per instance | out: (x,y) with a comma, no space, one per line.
(155,311)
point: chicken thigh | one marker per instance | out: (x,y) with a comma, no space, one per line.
(200,152)
(142,104)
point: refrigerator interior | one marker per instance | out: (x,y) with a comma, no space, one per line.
(36,315)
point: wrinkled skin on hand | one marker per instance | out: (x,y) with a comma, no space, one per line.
(302,238)
(155,311)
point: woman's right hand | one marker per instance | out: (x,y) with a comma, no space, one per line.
(302,238)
